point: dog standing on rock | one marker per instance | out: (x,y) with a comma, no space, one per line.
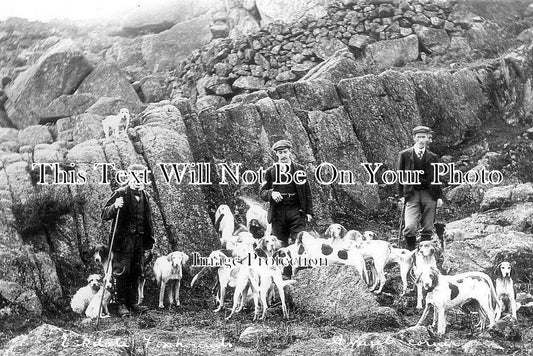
(113,122)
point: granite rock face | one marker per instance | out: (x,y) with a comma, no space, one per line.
(58,72)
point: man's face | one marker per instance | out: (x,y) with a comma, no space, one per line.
(136,183)
(422,140)
(284,155)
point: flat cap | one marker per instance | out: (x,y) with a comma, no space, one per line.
(422,129)
(281,144)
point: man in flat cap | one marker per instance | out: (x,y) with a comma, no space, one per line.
(421,200)
(291,204)
(133,237)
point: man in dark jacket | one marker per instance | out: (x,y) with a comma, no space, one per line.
(291,204)
(421,200)
(133,236)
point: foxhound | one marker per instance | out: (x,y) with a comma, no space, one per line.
(319,248)
(262,278)
(447,292)
(168,270)
(404,258)
(113,122)
(504,273)
(256,214)
(225,225)
(424,257)
(378,251)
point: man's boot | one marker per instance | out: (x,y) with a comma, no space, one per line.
(122,310)
(121,297)
(410,242)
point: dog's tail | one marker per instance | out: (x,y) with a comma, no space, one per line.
(200,274)
(219,255)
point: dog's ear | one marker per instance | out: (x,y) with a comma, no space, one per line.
(328,233)
(343,231)
(513,269)
(169,257)
(184,259)
(299,237)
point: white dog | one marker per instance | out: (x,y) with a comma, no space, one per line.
(168,270)
(404,258)
(94,304)
(424,256)
(113,122)
(505,289)
(447,292)
(377,250)
(258,214)
(83,296)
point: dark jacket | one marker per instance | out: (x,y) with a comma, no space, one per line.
(303,192)
(406,161)
(121,236)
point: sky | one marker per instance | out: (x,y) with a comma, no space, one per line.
(45,10)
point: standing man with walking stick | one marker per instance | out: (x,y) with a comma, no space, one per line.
(421,200)
(133,237)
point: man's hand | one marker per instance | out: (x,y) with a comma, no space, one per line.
(309,217)
(277,197)
(119,203)
(439,203)
(148,255)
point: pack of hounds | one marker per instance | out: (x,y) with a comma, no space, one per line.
(259,282)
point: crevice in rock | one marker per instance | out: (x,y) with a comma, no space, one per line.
(157,201)
(352,122)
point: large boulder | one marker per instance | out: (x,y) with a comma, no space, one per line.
(167,49)
(339,295)
(108,80)
(498,197)
(385,103)
(19,298)
(77,129)
(335,69)
(433,40)
(59,71)
(105,106)
(452,104)
(153,88)
(68,105)
(483,253)
(49,340)
(35,134)
(516,218)
(393,53)
(32,271)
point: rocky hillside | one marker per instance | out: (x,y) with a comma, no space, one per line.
(345,83)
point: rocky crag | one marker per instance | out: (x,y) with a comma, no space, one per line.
(332,114)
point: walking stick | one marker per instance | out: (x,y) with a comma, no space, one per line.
(110,262)
(401,225)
